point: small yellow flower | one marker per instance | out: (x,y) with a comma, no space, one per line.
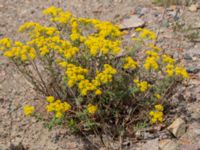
(182,72)
(159,107)
(28,110)
(66,106)
(153,120)
(151,113)
(157,115)
(129,63)
(136,81)
(50,108)
(98,92)
(91,109)
(50,99)
(158,96)
(58,114)
(8,54)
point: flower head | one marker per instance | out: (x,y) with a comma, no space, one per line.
(28,110)
(91,109)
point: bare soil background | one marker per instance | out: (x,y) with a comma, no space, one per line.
(15,91)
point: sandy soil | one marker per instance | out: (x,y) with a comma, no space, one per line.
(15,91)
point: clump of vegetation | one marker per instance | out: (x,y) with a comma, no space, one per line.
(90,83)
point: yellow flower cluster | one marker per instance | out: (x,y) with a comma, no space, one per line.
(151,60)
(91,109)
(179,71)
(105,40)
(42,38)
(130,63)
(146,34)
(106,75)
(28,110)
(105,29)
(5,44)
(157,115)
(36,30)
(143,86)
(20,51)
(58,15)
(75,74)
(56,106)
(74,30)
(167,59)
(155,48)
(100,45)
(55,43)
(171,70)
(101,78)
(157,96)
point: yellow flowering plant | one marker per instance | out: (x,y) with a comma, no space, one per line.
(89,82)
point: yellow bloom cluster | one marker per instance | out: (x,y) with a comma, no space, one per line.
(55,43)
(85,86)
(152,54)
(146,34)
(179,71)
(101,78)
(58,15)
(105,29)
(74,30)
(105,40)
(155,48)
(157,96)
(143,86)
(106,75)
(36,30)
(100,45)
(151,60)
(21,51)
(42,38)
(5,43)
(28,110)
(157,115)
(91,109)
(167,59)
(56,106)
(171,70)
(75,74)
(130,63)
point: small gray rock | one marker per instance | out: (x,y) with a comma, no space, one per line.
(132,22)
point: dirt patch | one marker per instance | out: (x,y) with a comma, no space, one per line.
(15,91)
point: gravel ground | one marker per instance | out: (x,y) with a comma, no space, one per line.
(14,90)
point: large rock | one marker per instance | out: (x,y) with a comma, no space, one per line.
(168,144)
(133,22)
(178,127)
